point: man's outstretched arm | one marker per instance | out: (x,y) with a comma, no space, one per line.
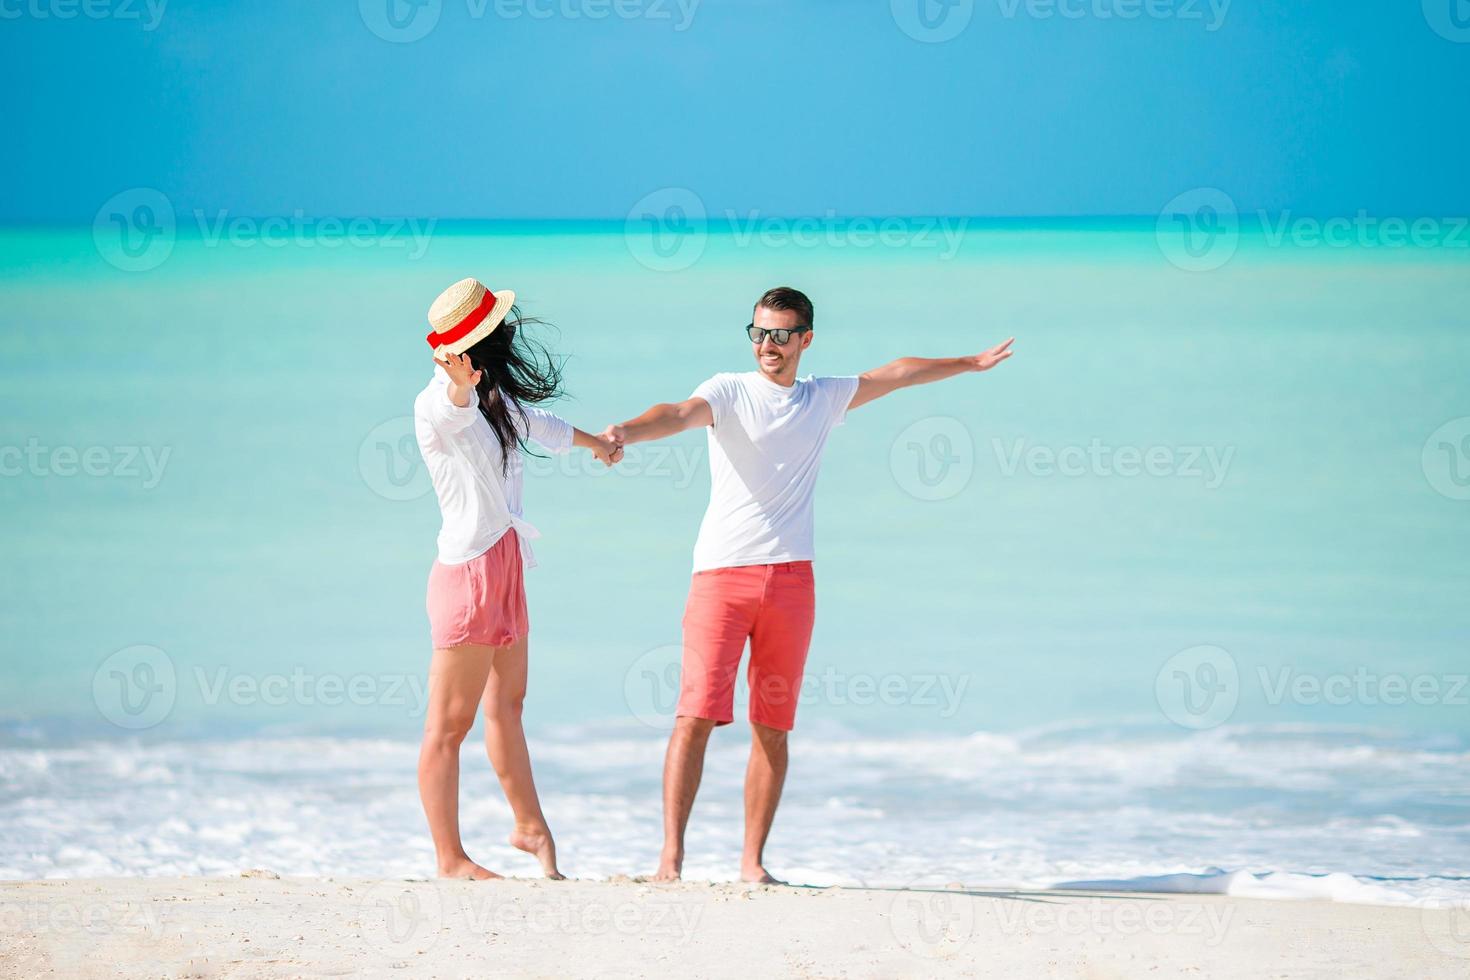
(663,420)
(909,371)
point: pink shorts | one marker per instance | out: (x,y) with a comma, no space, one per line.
(774,607)
(481,601)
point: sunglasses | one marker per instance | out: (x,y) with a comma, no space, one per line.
(781,336)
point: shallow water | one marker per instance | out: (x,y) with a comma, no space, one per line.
(1180,586)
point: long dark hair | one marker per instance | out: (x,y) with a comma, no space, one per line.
(515,370)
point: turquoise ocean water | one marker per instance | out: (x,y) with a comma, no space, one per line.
(1190,569)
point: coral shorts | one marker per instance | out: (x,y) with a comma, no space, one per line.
(773,606)
(481,601)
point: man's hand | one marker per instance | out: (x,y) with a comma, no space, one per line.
(989,359)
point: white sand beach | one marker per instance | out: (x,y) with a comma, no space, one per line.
(258,925)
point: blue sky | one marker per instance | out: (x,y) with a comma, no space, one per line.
(541,108)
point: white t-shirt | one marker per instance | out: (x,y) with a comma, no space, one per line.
(478,502)
(765,449)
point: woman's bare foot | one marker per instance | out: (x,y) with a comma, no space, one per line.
(670,867)
(758,875)
(537,842)
(465,868)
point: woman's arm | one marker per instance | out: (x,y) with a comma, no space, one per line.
(604,447)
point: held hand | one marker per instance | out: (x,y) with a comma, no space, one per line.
(459,369)
(616,433)
(607,450)
(989,359)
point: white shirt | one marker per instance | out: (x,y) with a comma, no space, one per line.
(478,502)
(765,449)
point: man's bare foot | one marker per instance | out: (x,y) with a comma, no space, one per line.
(465,868)
(758,875)
(670,867)
(537,842)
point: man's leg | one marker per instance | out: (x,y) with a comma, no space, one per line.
(717,618)
(683,767)
(778,647)
(764,778)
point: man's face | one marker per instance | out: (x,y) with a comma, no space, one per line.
(776,361)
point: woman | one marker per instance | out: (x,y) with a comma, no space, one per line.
(472,421)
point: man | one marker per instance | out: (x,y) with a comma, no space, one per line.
(752,561)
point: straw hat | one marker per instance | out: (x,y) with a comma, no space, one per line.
(465,314)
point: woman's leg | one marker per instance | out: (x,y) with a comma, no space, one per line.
(505,741)
(456,680)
